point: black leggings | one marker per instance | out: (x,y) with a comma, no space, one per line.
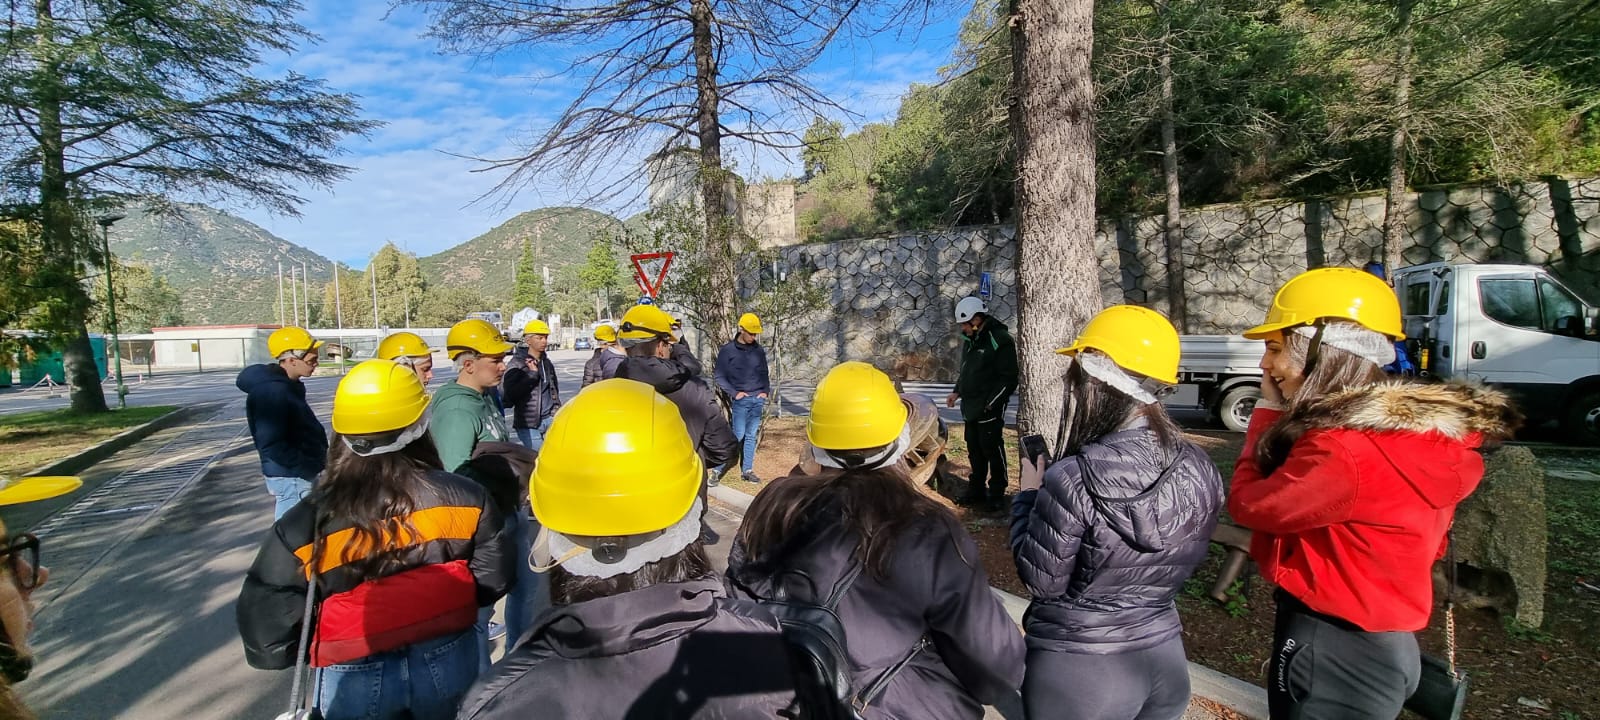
(1324,668)
(1148,684)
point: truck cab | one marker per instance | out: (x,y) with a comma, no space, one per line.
(1516,327)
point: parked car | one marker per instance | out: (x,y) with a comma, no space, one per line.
(583,344)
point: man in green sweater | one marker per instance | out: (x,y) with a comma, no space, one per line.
(463,416)
(463,413)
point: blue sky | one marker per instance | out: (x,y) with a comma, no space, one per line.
(410,184)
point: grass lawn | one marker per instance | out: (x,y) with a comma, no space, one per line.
(28,440)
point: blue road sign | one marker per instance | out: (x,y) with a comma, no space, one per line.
(985,286)
(647,300)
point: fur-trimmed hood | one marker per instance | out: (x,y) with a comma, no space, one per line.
(1455,410)
(1428,434)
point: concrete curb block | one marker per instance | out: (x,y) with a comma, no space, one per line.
(1230,692)
(94,454)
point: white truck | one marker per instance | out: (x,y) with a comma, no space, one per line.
(1512,326)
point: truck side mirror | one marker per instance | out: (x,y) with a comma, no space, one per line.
(1572,326)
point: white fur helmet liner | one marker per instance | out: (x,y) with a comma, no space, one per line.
(890,454)
(609,557)
(1354,339)
(1102,368)
(363,444)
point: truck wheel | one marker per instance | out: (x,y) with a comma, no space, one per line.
(1582,419)
(1236,405)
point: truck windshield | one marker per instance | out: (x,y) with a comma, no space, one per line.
(1527,302)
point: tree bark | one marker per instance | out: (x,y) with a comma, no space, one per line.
(1052,116)
(60,226)
(714,181)
(1394,220)
(1177,297)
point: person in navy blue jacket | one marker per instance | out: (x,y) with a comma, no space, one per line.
(290,439)
(741,372)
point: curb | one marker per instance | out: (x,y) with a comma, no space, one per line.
(121,441)
(1226,690)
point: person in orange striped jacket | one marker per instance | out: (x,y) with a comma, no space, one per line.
(403,555)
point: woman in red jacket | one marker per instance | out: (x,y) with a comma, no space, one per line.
(1350,481)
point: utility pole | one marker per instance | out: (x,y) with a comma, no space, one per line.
(372,271)
(305,290)
(111,305)
(338,302)
(294,295)
(280,292)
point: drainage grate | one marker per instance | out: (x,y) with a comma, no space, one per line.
(83,533)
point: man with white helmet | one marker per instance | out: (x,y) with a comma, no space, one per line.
(988,377)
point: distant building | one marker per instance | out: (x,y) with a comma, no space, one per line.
(766,213)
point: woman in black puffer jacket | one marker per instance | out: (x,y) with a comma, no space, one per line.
(1106,537)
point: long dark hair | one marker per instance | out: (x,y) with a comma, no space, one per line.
(877,505)
(1091,409)
(375,495)
(1335,370)
(689,564)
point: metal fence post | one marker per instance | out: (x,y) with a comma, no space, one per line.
(199,350)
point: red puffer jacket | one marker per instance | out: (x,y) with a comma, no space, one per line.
(1351,521)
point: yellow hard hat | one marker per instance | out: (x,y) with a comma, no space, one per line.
(377,396)
(645,322)
(536,327)
(1333,294)
(605,333)
(19,490)
(855,408)
(617,460)
(403,344)
(749,323)
(475,335)
(1137,339)
(283,340)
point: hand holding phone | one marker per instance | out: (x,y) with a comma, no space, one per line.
(1035,458)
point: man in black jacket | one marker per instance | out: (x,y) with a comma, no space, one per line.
(530,385)
(646,332)
(741,372)
(290,439)
(988,377)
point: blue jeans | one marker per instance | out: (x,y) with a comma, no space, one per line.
(746,425)
(288,491)
(533,438)
(423,681)
(531,594)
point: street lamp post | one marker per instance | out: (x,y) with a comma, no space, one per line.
(106,222)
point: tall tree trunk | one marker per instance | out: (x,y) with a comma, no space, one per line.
(1394,220)
(1058,275)
(60,226)
(1177,287)
(716,320)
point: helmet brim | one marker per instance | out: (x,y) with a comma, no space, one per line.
(1076,348)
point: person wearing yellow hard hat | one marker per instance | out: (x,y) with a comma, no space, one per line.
(924,628)
(741,373)
(608,356)
(647,336)
(642,624)
(1104,638)
(530,388)
(21,575)
(402,555)
(984,386)
(410,350)
(1349,481)
(464,414)
(289,438)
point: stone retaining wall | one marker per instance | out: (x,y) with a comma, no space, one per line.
(891,298)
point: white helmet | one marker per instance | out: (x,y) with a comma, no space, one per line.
(968,307)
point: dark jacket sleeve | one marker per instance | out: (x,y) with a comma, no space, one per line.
(682,354)
(1005,368)
(722,372)
(592,369)
(518,384)
(275,438)
(717,444)
(494,555)
(272,603)
(1046,535)
(974,636)
(764,372)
